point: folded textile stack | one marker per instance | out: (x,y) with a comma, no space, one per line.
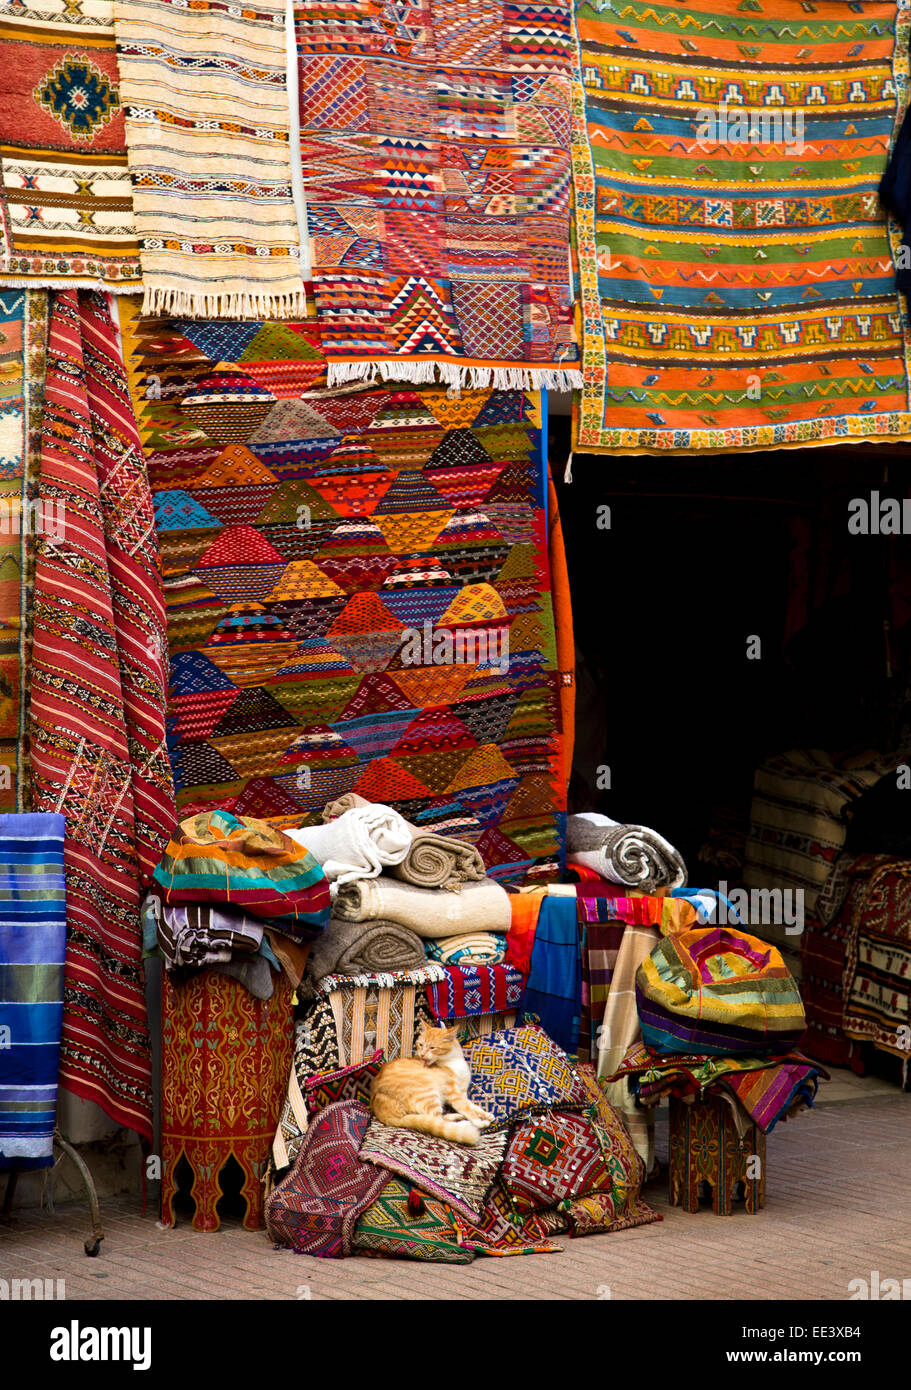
(628,854)
(237,895)
(556,1158)
(474,948)
(431,860)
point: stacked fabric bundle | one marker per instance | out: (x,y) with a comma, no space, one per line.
(238,895)
(556,1158)
(719,1012)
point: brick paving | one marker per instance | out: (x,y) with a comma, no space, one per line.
(837,1207)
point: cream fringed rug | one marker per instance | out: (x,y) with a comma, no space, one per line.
(208,129)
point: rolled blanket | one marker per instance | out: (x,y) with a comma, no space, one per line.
(432,861)
(360,843)
(628,854)
(364,948)
(475,948)
(480,907)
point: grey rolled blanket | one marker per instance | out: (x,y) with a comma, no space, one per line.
(632,855)
(359,948)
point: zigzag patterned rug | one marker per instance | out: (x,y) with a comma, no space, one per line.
(302,534)
(735,265)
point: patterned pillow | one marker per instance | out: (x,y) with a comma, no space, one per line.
(551,1158)
(598,1212)
(351,1083)
(519,1071)
(390,1228)
(460,1174)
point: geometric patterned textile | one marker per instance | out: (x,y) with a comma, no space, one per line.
(314,1209)
(225,1062)
(521,1071)
(551,1158)
(97,688)
(500,1231)
(459,1174)
(351,1083)
(435,142)
(475,989)
(66,211)
(23,343)
(205,89)
(32,947)
(620,1206)
(877,982)
(718,992)
(736,266)
(303,536)
(389,1228)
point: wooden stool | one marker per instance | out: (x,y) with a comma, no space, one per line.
(705,1146)
(225,1060)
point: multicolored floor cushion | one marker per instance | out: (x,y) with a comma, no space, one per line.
(553,1157)
(97,687)
(619,1206)
(399,1225)
(459,1174)
(468,990)
(877,981)
(718,992)
(32,946)
(736,270)
(435,145)
(306,539)
(521,1071)
(314,1209)
(66,209)
(218,857)
(349,1083)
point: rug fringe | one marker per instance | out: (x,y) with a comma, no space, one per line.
(458,375)
(165,300)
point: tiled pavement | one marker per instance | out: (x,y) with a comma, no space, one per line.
(838,1204)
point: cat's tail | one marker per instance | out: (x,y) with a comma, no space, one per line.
(456,1131)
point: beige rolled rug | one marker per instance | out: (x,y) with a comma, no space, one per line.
(479,907)
(432,861)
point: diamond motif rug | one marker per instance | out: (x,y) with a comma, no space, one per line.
(66,212)
(736,268)
(435,143)
(303,535)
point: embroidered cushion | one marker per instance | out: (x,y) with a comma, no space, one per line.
(423,1230)
(620,1205)
(247,864)
(460,1174)
(553,1157)
(597,1212)
(718,992)
(519,1071)
(350,1083)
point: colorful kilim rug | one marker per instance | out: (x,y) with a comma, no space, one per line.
(32,944)
(735,266)
(877,980)
(475,989)
(304,535)
(23,340)
(66,213)
(208,125)
(97,717)
(435,141)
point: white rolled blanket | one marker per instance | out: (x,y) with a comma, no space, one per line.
(359,844)
(479,907)
(632,855)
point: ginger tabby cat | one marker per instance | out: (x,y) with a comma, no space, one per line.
(412,1091)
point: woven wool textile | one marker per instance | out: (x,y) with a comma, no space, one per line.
(521,1071)
(553,990)
(389,1228)
(474,989)
(459,1174)
(66,213)
(314,1209)
(208,126)
(23,326)
(552,1158)
(435,142)
(32,945)
(302,535)
(735,265)
(877,979)
(620,1206)
(225,1062)
(97,689)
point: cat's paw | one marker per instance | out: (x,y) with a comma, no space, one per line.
(482,1119)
